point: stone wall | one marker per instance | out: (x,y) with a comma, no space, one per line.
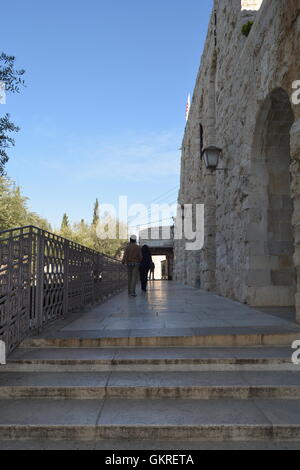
(242,101)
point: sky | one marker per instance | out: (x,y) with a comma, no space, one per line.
(103,111)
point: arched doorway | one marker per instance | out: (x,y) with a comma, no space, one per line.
(271,277)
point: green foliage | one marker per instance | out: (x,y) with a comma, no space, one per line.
(90,235)
(13,208)
(247,28)
(65,222)
(5,140)
(96,215)
(13,81)
(14,213)
(9,75)
(110,244)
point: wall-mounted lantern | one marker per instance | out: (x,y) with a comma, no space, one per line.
(211,156)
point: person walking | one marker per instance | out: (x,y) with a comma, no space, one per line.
(152,269)
(132,258)
(145,266)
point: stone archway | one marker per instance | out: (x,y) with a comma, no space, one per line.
(271,278)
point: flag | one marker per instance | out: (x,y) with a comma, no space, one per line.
(2,93)
(188,106)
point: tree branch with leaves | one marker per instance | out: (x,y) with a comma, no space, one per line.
(12,79)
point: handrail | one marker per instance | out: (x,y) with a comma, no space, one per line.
(44,276)
(58,236)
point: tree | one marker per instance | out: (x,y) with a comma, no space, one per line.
(91,235)
(9,75)
(96,215)
(12,80)
(112,244)
(13,208)
(34,219)
(65,228)
(65,222)
(5,140)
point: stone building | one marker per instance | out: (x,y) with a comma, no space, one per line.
(244,103)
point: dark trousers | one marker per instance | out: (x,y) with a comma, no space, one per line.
(144,276)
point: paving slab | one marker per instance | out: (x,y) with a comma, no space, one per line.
(206,337)
(68,354)
(196,385)
(175,379)
(184,412)
(144,354)
(271,379)
(149,359)
(280,412)
(50,412)
(170,309)
(150,412)
(54,379)
(150,379)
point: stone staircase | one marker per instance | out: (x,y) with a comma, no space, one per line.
(82,393)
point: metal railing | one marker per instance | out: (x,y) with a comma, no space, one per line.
(43,277)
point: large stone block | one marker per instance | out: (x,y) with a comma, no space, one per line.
(254,232)
(297,304)
(279,248)
(297,256)
(259,277)
(297,234)
(271,296)
(286,232)
(286,277)
(261,262)
(295,139)
(284,262)
(257,248)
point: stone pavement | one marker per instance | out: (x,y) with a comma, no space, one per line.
(173,368)
(170,310)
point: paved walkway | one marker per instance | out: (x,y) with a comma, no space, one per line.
(170,365)
(171,309)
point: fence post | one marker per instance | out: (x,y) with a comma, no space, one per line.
(82,280)
(66,279)
(30,305)
(40,280)
(10,338)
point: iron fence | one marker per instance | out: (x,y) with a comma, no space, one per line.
(43,277)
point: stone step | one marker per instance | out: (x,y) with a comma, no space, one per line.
(90,420)
(100,359)
(204,337)
(148,445)
(145,355)
(154,385)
